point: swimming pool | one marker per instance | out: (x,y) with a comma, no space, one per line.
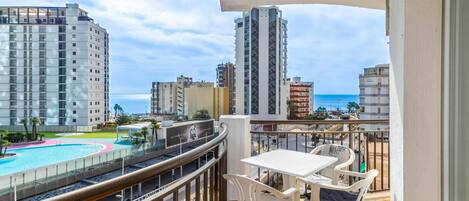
(34,157)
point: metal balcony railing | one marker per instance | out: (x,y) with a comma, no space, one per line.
(371,145)
(205,183)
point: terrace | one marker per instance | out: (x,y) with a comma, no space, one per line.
(423,75)
(204,181)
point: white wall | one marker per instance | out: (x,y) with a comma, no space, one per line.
(415,35)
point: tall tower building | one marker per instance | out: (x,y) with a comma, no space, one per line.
(261,64)
(226,78)
(54,64)
(374,94)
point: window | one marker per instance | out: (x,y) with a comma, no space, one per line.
(74,70)
(74,61)
(74,53)
(74,111)
(74,103)
(74,28)
(74,120)
(74,44)
(74,78)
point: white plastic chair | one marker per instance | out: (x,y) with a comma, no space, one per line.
(354,192)
(345,155)
(251,190)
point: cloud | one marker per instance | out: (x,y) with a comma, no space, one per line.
(157,40)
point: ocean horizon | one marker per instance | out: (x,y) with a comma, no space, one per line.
(141,103)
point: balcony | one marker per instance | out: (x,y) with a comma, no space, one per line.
(200,168)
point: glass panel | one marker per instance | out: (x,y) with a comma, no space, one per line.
(42,15)
(23,15)
(33,16)
(13,15)
(458,97)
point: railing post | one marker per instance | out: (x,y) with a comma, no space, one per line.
(238,147)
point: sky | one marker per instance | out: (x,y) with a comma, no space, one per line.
(158,40)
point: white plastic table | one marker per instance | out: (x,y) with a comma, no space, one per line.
(290,163)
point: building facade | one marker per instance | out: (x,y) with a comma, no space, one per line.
(163,98)
(261,61)
(54,65)
(226,78)
(204,96)
(301,101)
(181,83)
(374,94)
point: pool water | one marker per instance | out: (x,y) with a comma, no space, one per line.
(35,157)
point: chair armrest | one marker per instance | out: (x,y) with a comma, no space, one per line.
(350,173)
(333,187)
(289,192)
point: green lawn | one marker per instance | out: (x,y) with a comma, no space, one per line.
(85,135)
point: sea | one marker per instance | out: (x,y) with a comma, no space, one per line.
(329,101)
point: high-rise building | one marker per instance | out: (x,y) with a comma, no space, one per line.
(181,83)
(301,101)
(163,98)
(261,64)
(54,64)
(226,78)
(374,94)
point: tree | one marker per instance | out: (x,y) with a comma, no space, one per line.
(201,115)
(118,109)
(35,121)
(123,119)
(144,132)
(154,127)
(353,107)
(291,110)
(3,143)
(25,124)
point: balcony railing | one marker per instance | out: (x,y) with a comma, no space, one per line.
(205,183)
(371,146)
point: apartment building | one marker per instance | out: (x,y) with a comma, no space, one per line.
(374,94)
(261,61)
(54,64)
(301,98)
(163,98)
(181,83)
(205,96)
(226,78)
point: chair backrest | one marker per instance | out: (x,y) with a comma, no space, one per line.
(249,189)
(363,185)
(345,155)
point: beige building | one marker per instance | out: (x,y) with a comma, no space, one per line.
(203,95)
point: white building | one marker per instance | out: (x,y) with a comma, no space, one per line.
(374,94)
(163,98)
(261,61)
(54,64)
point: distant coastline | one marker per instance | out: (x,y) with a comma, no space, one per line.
(329,101)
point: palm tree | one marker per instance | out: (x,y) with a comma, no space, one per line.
(353,107)
(116,109)
(35,121)
(3,143)
(144,132)
(24,121)
(154,127)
